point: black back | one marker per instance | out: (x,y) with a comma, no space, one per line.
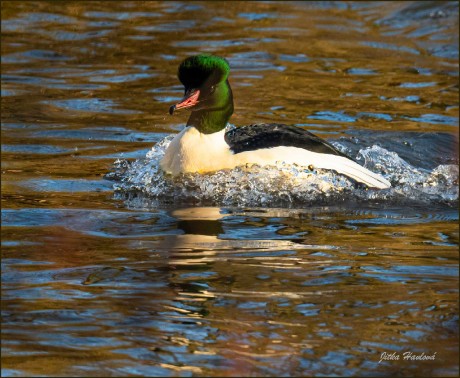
(268,135)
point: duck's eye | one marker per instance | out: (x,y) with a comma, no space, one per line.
(213,88)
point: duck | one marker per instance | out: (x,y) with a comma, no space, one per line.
(206,144)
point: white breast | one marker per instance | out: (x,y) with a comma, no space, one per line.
(192,151)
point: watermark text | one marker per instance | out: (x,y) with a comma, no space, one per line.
(407,356)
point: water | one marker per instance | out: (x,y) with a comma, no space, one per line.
(110,267)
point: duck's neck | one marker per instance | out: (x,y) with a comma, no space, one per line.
(209,121)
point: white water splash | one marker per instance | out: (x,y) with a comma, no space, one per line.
(282,184)
(441,184)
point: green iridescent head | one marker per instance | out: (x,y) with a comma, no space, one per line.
(207,92)
(197,70)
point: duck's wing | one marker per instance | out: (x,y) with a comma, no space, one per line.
(268,135)
(262,136)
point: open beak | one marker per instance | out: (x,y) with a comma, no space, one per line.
(190,99)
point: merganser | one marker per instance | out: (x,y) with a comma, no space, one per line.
(205,145)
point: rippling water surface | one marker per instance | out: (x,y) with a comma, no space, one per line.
(111,268)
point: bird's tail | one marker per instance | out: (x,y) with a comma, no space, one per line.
(355,171)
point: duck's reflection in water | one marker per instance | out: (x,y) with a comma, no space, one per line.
(224,285)
(204,239)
